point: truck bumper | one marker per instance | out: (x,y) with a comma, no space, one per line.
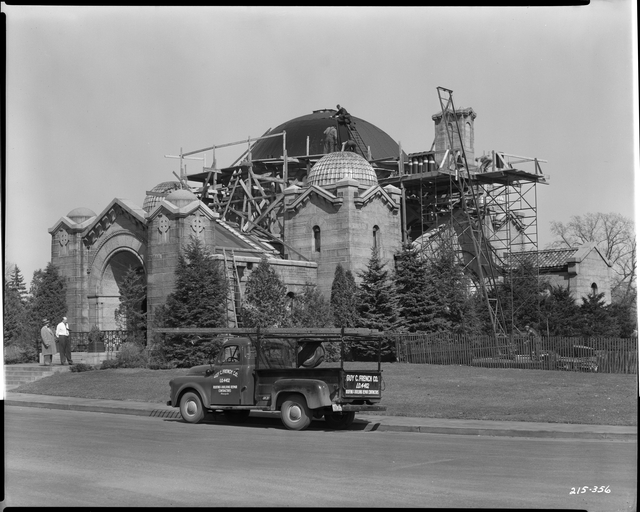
(359,408)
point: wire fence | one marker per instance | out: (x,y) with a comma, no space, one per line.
(604,355)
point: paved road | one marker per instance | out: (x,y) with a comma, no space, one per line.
(71,458)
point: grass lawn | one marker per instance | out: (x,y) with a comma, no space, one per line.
(420,390)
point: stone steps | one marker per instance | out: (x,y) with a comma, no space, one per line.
(18,374)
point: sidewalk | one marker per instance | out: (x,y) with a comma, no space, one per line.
(366,422)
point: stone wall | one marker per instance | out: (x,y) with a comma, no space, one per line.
(346,218)
(581,274)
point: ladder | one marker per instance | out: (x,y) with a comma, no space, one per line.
(360,145)
(234,288)
(482,249)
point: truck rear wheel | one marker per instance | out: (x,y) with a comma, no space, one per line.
(295,413)
(339,421)
(191,407)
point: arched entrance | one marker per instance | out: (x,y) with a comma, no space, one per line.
(108,273)
(113,274)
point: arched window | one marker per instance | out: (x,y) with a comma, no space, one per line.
(316,238)
(594,289)
(291,297)
(376,237)
(467,135)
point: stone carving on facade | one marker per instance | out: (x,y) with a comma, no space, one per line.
(163,227)
(197,224)
(63,239)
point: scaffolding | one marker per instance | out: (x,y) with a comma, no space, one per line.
(488,211)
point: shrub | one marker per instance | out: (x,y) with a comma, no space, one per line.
(81,367)
(185,352)
(109,364)
(132,355)
(14,354)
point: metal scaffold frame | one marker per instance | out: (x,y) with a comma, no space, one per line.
(487,212)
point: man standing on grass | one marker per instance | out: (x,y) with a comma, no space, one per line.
(48,343)
(62,334)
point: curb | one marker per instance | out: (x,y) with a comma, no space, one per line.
(371,426)
(492,432)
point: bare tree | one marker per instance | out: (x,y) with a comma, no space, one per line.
(614,236)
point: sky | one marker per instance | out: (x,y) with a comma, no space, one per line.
(97,96)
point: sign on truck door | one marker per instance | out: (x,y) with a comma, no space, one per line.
(226,380)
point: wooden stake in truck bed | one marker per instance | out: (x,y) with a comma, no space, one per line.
(279,370)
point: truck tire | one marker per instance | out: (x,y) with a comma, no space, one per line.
(236,416)
(339,421)
(191,408)
(295,414)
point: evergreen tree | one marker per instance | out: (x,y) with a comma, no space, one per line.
(559,313)
(596,320)
(48,301)
(625,317)
(343,298)
(377,307)
(131,315)
(14,315)
(265,301)
(17,284)
(36,282)
(414,290)
(310,309)
(454,290)
(199,300)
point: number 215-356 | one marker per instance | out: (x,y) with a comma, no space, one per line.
(586,488)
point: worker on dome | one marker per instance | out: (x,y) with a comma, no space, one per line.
(330,139)
(343,116)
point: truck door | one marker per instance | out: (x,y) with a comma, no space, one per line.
(226,379)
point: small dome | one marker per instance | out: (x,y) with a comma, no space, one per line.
(334,167)
(181,197)
(79,215)
(158,193)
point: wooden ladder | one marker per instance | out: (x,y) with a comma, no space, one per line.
(234,285)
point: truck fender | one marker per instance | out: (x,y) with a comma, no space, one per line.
(196,387)
(315,392)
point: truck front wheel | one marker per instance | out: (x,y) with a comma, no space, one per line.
(295,413)
(191,407)
(339,421)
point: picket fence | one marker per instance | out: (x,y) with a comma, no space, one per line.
(604,355)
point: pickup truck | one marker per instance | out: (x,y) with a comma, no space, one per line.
(279,370)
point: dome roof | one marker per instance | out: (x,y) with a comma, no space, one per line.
(79,215)
(158,193)
(181,197)
(333,167)
(313,126)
